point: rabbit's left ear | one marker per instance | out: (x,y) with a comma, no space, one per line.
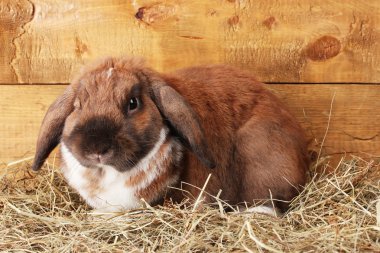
(183,119)
(52,126)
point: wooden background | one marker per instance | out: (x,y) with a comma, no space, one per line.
(321,56)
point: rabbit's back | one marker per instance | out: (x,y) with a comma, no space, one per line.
(260,149)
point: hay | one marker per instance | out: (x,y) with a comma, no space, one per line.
(335,213)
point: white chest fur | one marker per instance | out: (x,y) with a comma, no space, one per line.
(105,188)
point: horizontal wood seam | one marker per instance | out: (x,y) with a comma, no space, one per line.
(285,83)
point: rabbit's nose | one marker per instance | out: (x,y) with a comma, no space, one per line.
(101,157)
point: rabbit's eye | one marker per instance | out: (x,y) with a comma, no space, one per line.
(133,104)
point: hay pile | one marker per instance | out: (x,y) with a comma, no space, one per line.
(335,213)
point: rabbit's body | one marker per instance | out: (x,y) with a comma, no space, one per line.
(128,133)
(259,147)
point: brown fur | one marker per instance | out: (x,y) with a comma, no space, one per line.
(94,177)
(221,114)
(260,148)
(136,179)
(156,189)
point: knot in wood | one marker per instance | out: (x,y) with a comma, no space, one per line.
(323,48)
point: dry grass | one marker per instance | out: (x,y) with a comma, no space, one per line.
(335,213)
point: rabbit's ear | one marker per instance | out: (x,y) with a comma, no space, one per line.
(183,120)
(52,126)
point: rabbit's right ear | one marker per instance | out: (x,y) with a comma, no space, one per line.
(52,126)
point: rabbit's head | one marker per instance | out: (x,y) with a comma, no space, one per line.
(113,114)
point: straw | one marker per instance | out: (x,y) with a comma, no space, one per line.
(337,212)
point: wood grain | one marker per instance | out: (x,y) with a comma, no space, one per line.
(46,41)
(22,108)
(13,17)
(353,129)
(347,114)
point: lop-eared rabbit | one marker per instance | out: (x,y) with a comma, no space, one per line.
(129,133)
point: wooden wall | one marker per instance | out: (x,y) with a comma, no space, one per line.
(321,56)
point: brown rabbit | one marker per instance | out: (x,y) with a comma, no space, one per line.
(128,132)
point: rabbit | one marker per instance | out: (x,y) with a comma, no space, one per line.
(130,134)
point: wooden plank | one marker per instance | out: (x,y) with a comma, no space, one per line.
(345,115)
(13,17)
(354,122)
(21,112)
(46,41)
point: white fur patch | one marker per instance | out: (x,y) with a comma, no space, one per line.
(109,72)
(262,209)
(112,193)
